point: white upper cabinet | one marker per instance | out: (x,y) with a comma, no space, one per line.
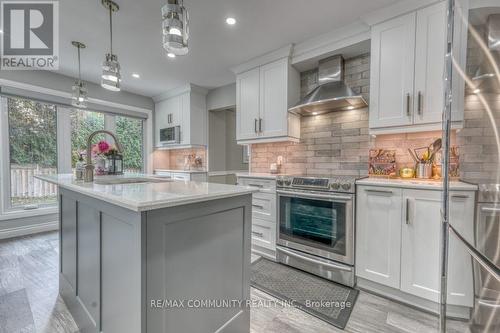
(430,55)
(248,101)
(265,89)
(407,72)
(392,68)
(273,99)
(378,240)
(184,107)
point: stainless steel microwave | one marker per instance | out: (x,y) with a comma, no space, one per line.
(170,135)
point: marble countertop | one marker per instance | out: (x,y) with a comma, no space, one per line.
(180,171)
(417,184)
(148,196)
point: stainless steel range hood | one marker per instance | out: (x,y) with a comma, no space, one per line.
(332,94)
(486,78)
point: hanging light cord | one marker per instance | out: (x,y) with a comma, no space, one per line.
(111,27)
(79,69)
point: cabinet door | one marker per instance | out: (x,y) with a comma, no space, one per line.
(167,114)
(247,104)
(420,244)
(429,64)
(273,99)
(392,72)
(378,234)
(460,282)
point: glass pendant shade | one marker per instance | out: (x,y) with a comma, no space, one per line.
(111,77)
(79,96)
(175,27)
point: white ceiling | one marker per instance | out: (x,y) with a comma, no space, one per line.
(263,26)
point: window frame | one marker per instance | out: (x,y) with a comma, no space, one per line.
(63,149)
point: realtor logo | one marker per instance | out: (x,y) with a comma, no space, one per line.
(30,35)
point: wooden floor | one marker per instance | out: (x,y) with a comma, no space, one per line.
(29,300)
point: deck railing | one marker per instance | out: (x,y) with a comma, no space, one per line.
(25,188)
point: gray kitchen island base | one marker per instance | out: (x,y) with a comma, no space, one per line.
(181,269)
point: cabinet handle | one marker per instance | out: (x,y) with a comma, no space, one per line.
(255,126)
(260,125)
(419,103)
(408,111)
(256,185)
(258,206)
(379,191)
(258,234)
(460,196)
(407,211)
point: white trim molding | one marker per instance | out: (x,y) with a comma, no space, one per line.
(397,9)
(284,52)
(28,229)
(331,42)
(179,91)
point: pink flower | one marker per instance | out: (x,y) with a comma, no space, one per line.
(103,147)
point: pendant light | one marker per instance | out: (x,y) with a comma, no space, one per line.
(79,96)
(111,77)
(175,28)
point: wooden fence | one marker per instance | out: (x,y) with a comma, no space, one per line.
(24,185)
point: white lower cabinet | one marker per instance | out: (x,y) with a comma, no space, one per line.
(379,235)
(263,215)
(398,242)
(420,242)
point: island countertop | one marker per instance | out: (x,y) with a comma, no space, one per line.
(148,196)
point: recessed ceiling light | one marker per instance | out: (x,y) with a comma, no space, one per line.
(136,75)
(170,55)
(231,20)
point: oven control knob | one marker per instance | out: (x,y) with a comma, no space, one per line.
(335,186)
(279,182)
(346,186)
(288,182)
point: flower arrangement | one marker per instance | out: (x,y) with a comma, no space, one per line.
(99,152)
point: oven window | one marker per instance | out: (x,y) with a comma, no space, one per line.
(316,223)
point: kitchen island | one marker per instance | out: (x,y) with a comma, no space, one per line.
(139,254)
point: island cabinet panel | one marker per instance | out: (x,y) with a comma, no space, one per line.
(209,264)
(68,240)
(121,275)
(89,261)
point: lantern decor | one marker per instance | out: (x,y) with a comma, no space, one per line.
(175,26)
(114,162)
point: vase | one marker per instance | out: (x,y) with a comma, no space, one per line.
(100,166)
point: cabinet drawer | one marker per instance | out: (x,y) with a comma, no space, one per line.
(264,234)
(264,206)
(261,183)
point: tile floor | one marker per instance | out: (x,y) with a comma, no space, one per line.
(29,300)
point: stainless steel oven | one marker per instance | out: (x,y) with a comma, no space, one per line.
(316,226)
(170,135)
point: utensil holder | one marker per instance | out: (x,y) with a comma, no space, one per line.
(423,170)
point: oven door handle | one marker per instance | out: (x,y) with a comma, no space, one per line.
(490,209)
(332,197)
(315,261)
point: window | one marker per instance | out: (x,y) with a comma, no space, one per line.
(32,133)
(84,123)
(44,138)
(129,132)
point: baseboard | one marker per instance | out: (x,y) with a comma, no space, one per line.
(29,229)
(453,311)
